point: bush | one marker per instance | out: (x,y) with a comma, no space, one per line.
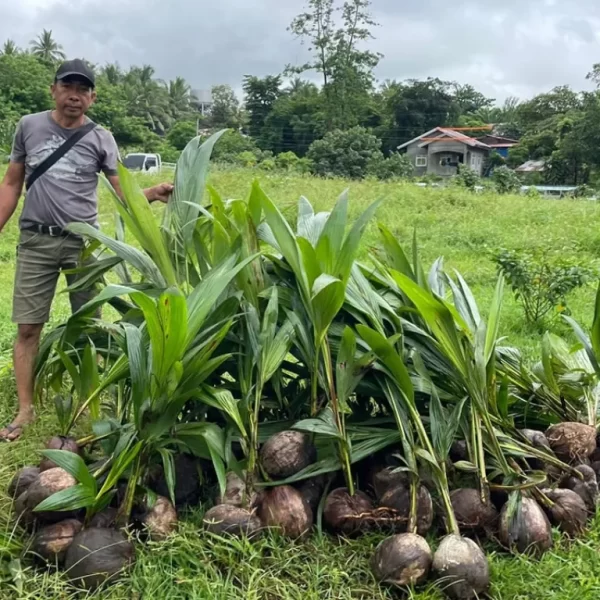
(268,164)
(467,178)
(181,133)
(247,159)
(539,284)
(231,144)
(506,180)
(287,161)
(345,153)
(395,166)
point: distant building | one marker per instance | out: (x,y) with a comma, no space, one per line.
(440,151)
(500,144)
(204,100)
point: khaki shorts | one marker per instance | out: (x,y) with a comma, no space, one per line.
(40,259)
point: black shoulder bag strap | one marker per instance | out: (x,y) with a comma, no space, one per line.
(58,154)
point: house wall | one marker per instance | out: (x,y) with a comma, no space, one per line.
(439,152)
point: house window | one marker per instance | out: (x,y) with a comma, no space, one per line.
(421,161)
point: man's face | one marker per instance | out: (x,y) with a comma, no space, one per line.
(73,97)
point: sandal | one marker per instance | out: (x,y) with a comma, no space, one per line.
(11,429)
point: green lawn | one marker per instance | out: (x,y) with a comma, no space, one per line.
(464,228)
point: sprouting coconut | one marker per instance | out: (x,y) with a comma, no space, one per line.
(105,518)
(572,441)
(587,487)
(596,467)
(235,493)
(287,453)
(345,514)
(312,491)
(59,442)
(385,478)
(459,451)
(568,511)
(461,567)
(284,508)
(96,555)
(402,560)
(160,520)
(232,520)
(45,485)
(528,529)
(22,480)
(52,542)
(23,515)
(187,481)
(398,499)
(538,440)
(471,512)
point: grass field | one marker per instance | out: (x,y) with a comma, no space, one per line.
(465,229)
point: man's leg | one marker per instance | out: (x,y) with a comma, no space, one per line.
(25,352)
(35,283)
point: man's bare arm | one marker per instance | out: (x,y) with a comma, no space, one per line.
(160,192)
(10,191)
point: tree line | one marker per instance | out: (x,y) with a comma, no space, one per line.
(332,99)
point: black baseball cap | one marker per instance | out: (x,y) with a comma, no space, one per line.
(76,68)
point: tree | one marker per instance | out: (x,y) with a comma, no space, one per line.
(9,48)
(180,97)
(260,96)
(113,73)
(346,68)
(181,133)
(225,111)
(348,153)
(46,48)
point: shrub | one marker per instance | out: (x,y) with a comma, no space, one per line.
(181,133)
(539,284)
(268,164)
(287,161)
(506,180)
(395,166)
(467,178)
(247,159)
(231,144)
(345,153)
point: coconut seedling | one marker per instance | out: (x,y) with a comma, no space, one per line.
(320,256)
(458,562)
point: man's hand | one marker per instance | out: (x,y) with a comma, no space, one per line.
(160,192)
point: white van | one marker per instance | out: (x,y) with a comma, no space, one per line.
(147,163)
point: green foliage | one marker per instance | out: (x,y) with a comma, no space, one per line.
(506,180)
(540,284)
(395,166)
(231,145)
(225,111)
(345,153)
(467,178)
(181,133)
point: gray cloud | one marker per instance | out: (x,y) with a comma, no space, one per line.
(517,47)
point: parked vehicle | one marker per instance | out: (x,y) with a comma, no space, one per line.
(148,163)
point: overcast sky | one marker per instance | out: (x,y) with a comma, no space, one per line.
(502,47)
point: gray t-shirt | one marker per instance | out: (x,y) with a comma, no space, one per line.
(67,192)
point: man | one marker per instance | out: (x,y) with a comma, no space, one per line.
(66,192)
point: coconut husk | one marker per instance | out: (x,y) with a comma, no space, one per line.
(59,442)
(21,481)
(105,518)
(284,508)
(187,481)
(287,453)
(472,514)
(52,542)
(385,478)
(398,499)
(225,519)
(587,487)
(572,442)
(23,515)
(459,451)
(402,560)
(348,515)
(461,567)
(568,512)
(160,520)
(96,556)
(235,493)
(538,440)
(528,531)
(312,490)
(45,485)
